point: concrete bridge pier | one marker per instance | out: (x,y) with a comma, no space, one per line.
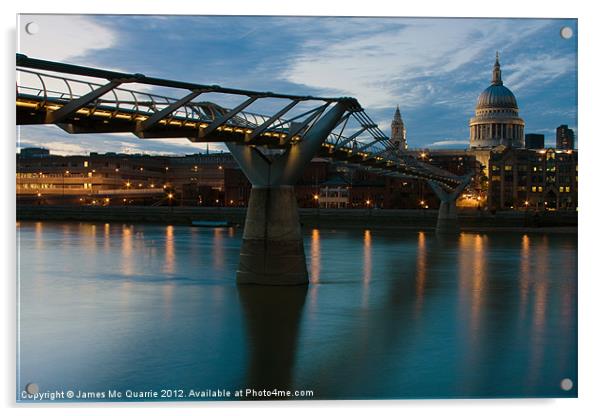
(272,245)
(447,220)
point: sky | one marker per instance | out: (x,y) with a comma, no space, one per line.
(433,68)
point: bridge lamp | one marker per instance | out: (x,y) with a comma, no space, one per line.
(368,202)
(39,195)
(526,203)
(316,197)
(170,195)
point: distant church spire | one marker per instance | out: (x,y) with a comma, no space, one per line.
(496,78)
(398,132)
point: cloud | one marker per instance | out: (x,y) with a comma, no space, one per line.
(450,142)
(529,71)
(62,37)
(392,61)
(62,143)
(72,39)
(56,147)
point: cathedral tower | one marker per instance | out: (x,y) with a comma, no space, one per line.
(398,132)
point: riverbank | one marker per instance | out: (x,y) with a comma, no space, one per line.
(376,218)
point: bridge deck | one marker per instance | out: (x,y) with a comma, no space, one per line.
(82,106)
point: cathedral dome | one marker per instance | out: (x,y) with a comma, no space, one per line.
(496,96)
(496,121)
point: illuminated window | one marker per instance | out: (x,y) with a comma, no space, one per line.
(534,189)
(85,163)
(534,168)
(539,189)
(567,189)
(507,167)
(561,189)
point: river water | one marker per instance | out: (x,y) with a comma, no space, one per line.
(387,314)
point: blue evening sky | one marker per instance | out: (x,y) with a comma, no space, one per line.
(433,68)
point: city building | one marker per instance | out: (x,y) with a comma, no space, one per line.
(565,137)
(534,141)
(398,132)
(113,178)
(334,193)
(496,121)
(533,179)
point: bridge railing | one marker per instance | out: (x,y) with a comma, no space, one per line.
(44,83)
(52,89)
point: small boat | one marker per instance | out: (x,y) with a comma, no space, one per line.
(207,223)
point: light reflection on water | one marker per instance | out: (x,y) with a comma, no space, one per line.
(387,314)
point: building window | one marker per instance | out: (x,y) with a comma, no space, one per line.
(561,189)
(534,189)
(85,163)
(507,168)
(567,189)
(539,189)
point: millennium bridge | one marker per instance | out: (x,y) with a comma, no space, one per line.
(272,136)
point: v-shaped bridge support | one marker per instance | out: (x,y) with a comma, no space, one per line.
(447,221)
(272,246)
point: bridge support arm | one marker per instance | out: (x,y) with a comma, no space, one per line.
(272,245)
(447,220)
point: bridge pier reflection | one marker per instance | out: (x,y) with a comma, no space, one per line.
(272,316)
(272,245)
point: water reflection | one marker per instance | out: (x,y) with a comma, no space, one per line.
(389,314)
(421,270)
(127,254)
(170,256)
(367,276)
(271,316)
(315,259)
(218,248)
(525,274)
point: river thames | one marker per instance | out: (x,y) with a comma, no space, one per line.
(387,314)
